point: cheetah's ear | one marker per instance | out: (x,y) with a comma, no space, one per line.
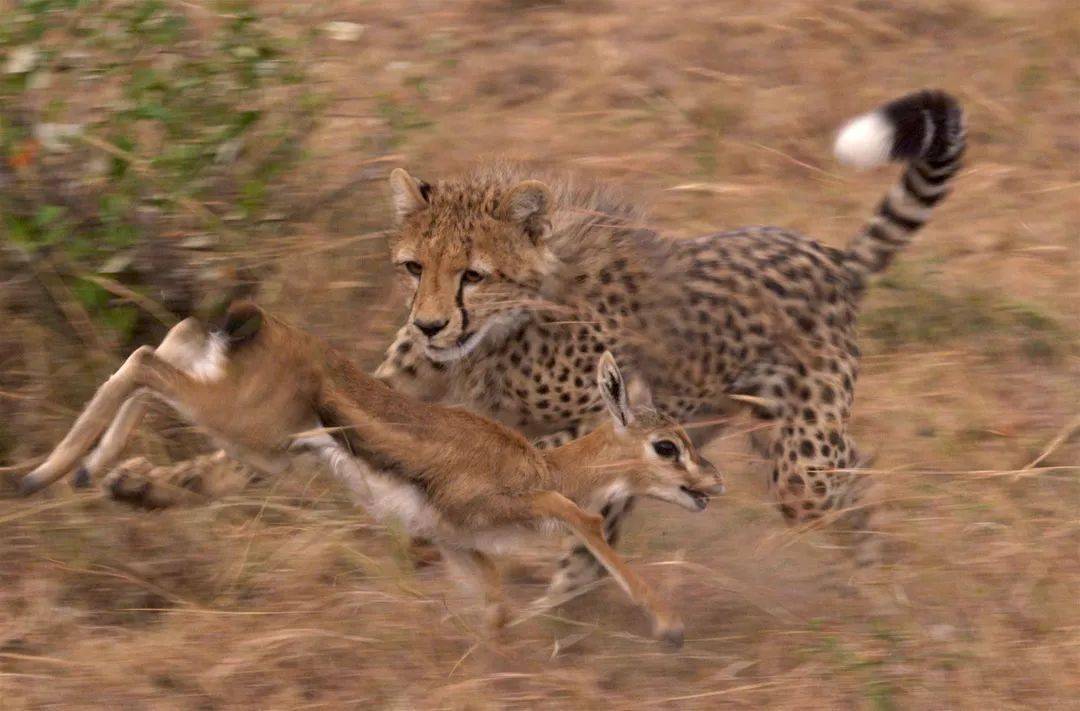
(613,389)
(639,393)
(527,205)
(409,193)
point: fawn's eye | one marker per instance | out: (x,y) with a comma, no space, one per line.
(413,267)
(666,449)
(471,276)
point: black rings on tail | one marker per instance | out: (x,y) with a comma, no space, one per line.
(925,129)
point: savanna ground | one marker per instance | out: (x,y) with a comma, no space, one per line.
(158,155)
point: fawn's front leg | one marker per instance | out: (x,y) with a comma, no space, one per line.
(589,528)
(137,482)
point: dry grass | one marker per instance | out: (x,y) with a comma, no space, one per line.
(721,114)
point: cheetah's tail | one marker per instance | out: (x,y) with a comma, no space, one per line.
(927,131)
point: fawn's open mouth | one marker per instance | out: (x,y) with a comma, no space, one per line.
(700,498)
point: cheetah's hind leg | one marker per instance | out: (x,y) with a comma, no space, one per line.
(814,462)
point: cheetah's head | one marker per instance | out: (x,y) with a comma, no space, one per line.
(472,256)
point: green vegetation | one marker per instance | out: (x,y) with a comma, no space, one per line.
(179,139)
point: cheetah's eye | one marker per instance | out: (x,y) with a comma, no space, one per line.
(666,449)
(413,267)
(471,276)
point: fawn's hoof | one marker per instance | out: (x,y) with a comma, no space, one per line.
(81,479)
(671,633)
(496,618)
(31,484)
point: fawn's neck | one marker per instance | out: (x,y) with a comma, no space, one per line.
(589,463)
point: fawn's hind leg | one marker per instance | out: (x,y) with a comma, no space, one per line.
(114,439)
(142,369)
(101,412)
(98,414)
(589,528)
(187,346)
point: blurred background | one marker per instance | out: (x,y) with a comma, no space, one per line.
(158,156)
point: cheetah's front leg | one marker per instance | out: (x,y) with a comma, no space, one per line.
(557,438)
(408,370)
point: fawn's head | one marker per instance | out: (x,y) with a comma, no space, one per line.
(662,462)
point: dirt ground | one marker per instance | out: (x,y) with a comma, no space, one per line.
(714,115)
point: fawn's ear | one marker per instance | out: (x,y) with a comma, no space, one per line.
(527,205)
(613,389)
(409,193)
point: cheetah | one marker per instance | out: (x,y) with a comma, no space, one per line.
(517,280)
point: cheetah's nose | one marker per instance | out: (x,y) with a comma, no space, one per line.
(430,328)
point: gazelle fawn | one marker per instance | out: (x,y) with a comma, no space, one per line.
(266,390)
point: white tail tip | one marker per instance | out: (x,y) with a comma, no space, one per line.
(865,141)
